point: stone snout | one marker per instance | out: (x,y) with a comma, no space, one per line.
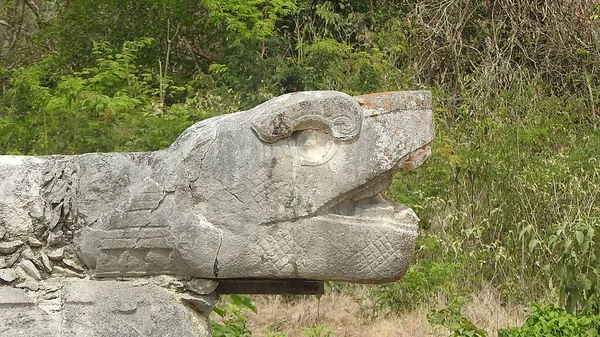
(337,225)
(288,189)
(291,189)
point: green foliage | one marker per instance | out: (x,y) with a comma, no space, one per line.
(574,271)
(502,178)
(452,319)
(178,28)
(318,331)
(233,321)
(243,301)
(269,333)
(247,21)
(543,321)
(112,106)
(549,320)
(511,189)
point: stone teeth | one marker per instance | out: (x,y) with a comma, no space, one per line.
(8,275)
(56,254)
(35,243)
(73,264)
(46,262)
(10,246)
(66,272)
(30,269)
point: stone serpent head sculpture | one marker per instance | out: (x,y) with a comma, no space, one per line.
(288,189)
(129,244)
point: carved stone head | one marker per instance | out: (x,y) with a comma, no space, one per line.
(288,189)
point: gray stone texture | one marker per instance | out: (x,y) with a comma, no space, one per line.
(288,189)
(98,309)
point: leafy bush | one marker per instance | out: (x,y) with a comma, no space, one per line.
(115,105)
(233,321)
(502,177)
(574,271)
(551,321)
(543,321)
(318,331)
(452,319)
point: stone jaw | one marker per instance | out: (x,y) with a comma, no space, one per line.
(288,190)
(237,196)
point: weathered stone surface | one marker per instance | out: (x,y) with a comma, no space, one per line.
(11,259)
(66,272)
(30,269)
(34,243)
(99,309)
(203,303)
(27,253)
(10,296)
(55,238)
(10,246)
(29,284)
(56,254)
(46,262)
(289,189)
(8,275)
(73,265)
(201,286)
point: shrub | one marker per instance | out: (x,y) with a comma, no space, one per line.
(233,321)
(552,321)
(452,319)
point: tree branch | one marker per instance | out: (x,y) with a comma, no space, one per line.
(34,8)
(194,57)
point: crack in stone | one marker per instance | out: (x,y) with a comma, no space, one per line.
(220,182)
(191,190)
(160,202)
(228,191)
(234,195)
(207,149)
(216,263)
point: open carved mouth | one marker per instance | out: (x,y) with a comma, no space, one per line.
(369,205)
(380,209)
(369,237)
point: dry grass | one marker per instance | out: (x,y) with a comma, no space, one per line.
(341,314)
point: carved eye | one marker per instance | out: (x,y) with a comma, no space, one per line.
(312,147)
